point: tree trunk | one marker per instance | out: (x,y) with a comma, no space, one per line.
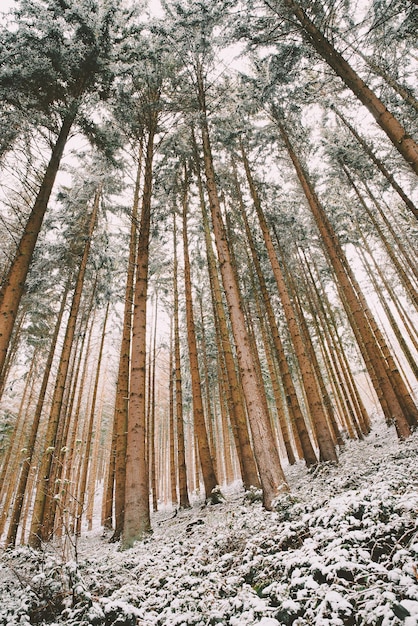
(120,417)
(209,477)
(137,513)
(44,486)
(356,310)
(389,124)
(151,410)
(313,397)
(171,431)
(93,469)
(232,385)
(181,453)
(271,474)
(30,444)
(90,424)
(336,346)
(14,283)
(208,405)
(69,495)
(295,410)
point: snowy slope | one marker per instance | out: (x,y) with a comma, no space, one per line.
(341,550)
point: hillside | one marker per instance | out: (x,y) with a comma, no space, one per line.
(341,550)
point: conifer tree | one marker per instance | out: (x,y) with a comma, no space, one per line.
(56,63)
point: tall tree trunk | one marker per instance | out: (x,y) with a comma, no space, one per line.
(336,346)
(44,486)
(405,145)
(208,404)
(357,311)
(181,452)
(14,283)
(171,429)
(69,495)
(310,384)
(295,410)
(30,444)
(91,420)
(209,477)
(94,464)
(151,409)
(120,418)
(272,477)
(137,512)
(232,386)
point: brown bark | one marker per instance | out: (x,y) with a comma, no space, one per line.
(151,409)
(208,405)
(353,299)
(69,495)
(310,349)
(295,410)
(181,454)
(209,476)
(14,283)
(271,474)
(232,385)
(171,431)
(389,124)
(89,435)
(310,383)
(30,444)
(117,465)
(93,468)
(337,347)
(43,487)
(137,513)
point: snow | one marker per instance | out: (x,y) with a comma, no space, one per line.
(342,549)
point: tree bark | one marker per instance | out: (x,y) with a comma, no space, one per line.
(232,386)
(137,512)
(292,400)
(312,393)
(389,124)
(36,531)
(181,453)
(271,474)
(209,476)
(120,417)
(14,283)
(356,310)
(30,444)
(90,424)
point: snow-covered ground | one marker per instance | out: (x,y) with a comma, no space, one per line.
(342,549)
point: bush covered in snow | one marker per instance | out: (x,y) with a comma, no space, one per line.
(342,549)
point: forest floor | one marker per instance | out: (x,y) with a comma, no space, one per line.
(342,549)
